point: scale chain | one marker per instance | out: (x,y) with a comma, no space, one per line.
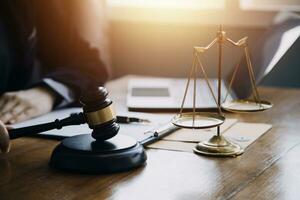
(206,79)
(187,85)
(251,74)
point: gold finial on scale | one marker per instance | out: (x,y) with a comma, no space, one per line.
(218,145)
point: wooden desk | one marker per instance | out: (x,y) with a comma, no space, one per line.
(269,169)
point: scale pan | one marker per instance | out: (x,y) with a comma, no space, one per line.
(246,105)
(201,120)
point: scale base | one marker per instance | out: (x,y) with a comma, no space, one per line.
(218,146)
(84,154)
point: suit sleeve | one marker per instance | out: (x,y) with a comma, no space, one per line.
(64,55)
(64,95)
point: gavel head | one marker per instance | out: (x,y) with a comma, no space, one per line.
(100,117)
(4,139)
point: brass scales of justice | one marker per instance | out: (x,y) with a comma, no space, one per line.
(218,145)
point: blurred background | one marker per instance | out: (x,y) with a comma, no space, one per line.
(155,37)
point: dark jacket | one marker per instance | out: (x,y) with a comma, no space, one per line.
(47,45)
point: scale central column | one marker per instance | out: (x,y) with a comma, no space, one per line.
(221,37)
(218,145)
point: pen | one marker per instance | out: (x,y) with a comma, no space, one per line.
(158,134)
(127,120)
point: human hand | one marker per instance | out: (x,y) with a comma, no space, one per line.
(22,105)
(4,138)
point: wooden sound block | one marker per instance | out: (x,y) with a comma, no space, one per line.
(84,154)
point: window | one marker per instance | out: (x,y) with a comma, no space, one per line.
(271,5)
(177,4)
(258,13)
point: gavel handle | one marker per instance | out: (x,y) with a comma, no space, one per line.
(73,119)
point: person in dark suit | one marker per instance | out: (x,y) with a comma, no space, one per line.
(44,62)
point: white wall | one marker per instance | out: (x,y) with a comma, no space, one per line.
(159,41)
(166,49)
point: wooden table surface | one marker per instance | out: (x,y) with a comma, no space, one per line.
(269,169)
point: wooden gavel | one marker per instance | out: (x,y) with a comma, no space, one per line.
(97,113)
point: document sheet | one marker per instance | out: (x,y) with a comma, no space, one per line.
(241,133)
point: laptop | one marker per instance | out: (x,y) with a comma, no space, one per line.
(166,94)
